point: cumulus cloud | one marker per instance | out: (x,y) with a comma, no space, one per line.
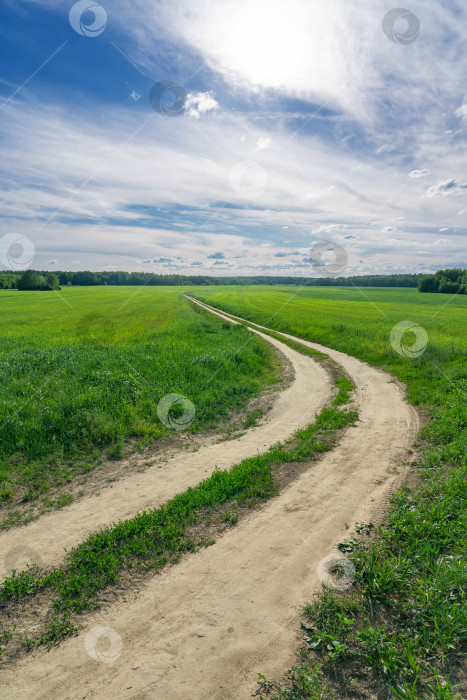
(447,188)
(198,103)
(262,143)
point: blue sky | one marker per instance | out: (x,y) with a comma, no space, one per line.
(300,122)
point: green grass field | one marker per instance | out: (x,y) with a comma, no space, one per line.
(82,373)
(407,618)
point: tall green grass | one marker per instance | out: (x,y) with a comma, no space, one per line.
(82,374)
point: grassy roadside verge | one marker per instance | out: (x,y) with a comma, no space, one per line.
(401,631)
(154,539)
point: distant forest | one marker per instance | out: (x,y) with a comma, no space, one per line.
(445,282)
(35,279)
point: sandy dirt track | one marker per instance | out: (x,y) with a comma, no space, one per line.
(205,627)
(54,532)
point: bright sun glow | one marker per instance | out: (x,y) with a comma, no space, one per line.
(302,47)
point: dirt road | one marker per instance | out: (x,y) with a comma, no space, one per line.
(45,540)
(206,627)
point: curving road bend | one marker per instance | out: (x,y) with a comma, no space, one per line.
(46,539)
(204,628)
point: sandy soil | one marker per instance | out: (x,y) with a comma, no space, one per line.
(204,628)
(45,540)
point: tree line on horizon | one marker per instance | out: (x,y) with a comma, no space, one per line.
(43,280)
(451,281)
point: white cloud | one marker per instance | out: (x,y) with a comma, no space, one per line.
(327,228)
(419,173)
(263,143)
(447,188)
(135,95)
(118,171)
(198,103)
(387,229)
(276,45)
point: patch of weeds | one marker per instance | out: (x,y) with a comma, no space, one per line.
(63,500)
(303,682)
(252,418)
(364,528)
(57,630)
(27,643)
(229,518)
(17,518)
(7,494)
(347,545)
(345,386)
(116,452)
(6,637)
